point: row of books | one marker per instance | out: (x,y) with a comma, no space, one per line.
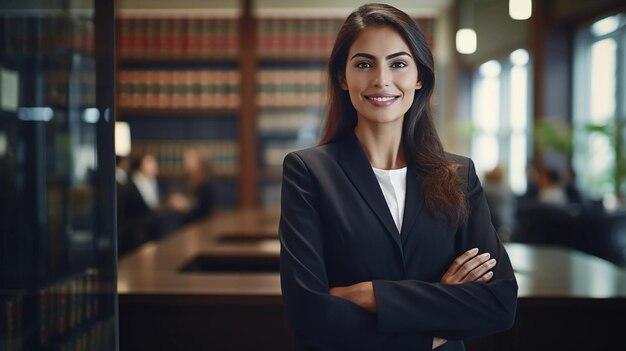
(270,194)
(11,316)
(84,87)
(274,153)
(28,35)
(66,305)
(288,121)
(94,336)
(296,37)
(291,88)
(223,155)
(186,89)
(177,37)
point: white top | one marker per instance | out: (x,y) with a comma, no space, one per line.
(553,195)
(148,189)
(393,184)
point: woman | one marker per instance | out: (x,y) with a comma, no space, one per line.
(380,229)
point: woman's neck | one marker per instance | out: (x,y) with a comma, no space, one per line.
(382,145)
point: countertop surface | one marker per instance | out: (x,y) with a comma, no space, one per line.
(155,270)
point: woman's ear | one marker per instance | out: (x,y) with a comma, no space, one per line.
(342,83)
(418,86)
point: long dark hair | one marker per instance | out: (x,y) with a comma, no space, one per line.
(441,184)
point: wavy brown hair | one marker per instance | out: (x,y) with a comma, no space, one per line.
(441,184)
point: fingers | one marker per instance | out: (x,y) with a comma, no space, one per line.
(471,270)
(461,260)
(485,278)
(438,342)
(470,267)
(481,273)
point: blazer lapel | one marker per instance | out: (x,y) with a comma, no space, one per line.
(414,200)
(358,169)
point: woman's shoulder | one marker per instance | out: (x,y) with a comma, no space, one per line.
(315,154)
(464,168)
(459,159)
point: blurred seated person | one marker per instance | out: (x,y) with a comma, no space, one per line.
(500,201)
(196,200)
(572,192)
(551,190)
(139,209)
(122,165)
(551,216)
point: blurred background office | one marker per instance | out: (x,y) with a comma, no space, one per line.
(531,91)
(156,130)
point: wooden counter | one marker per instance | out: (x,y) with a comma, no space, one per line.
(566,298)
(153,271)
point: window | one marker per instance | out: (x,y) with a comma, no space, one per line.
(500,117)
(599,113)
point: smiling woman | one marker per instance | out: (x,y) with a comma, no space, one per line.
(386,240)
(381,78)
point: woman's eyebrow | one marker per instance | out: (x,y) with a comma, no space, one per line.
(388,57)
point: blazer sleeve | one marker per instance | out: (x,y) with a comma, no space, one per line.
(319,320)
(455,311)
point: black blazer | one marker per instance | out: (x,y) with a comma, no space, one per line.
(336,230)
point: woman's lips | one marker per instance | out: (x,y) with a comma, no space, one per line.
(381,100)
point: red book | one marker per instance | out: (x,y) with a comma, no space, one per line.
(141,36)
(178,36)
(261,36)
(219,37)
(151,90)
(193,37)
(206,37)
(233,37)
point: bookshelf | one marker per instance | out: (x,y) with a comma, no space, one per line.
(178,86)
(290,103)
(57,219)
(273,70)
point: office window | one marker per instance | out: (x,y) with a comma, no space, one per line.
(599,113)
(500,117)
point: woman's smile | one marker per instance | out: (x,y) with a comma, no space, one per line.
(381,100)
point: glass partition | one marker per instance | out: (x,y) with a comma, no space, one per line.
(57,214)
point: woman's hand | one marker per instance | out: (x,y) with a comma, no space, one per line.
(470,267)
(467,268)
(438,342)
(361,294)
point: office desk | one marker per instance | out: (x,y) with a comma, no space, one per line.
(153,271)
(567,300)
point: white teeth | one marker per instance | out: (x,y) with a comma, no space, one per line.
(382,98)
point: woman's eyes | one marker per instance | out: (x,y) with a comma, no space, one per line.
(365,65)
(398,64)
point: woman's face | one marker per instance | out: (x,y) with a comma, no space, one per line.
(381,76)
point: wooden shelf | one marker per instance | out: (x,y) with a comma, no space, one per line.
(297,59)
(216,175)
(183,59)
(169,112)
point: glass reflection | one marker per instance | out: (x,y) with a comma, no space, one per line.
(55,282)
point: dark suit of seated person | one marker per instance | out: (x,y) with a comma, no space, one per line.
(139,209)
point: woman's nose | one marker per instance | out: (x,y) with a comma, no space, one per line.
(381,77)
